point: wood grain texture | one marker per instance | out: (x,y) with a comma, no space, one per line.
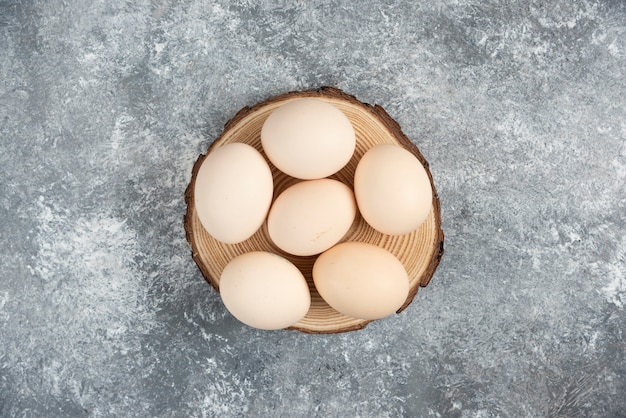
(419,251)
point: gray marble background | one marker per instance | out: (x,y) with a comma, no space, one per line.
(518,106)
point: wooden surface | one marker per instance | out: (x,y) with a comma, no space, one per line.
(419,251)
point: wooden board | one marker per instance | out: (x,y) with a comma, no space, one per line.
(419,251)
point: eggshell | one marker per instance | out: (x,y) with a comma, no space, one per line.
(311,216)
(264,290)
(308,138)
(361,280)
(392,189)
(233,192)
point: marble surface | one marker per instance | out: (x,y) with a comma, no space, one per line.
(518,106)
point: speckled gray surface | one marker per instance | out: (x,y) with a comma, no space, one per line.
(519,108)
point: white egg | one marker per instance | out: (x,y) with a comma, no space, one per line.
(311,216)
(233,192)
(308,138)
(392,189)
(264,290)
(361,280)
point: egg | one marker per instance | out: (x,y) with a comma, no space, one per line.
(361,280)
(308,138)
(311,216)
(264,290)
(233,192)
(392,189)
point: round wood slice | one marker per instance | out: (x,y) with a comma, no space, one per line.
(419,251)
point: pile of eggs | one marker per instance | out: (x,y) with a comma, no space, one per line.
(310,139)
